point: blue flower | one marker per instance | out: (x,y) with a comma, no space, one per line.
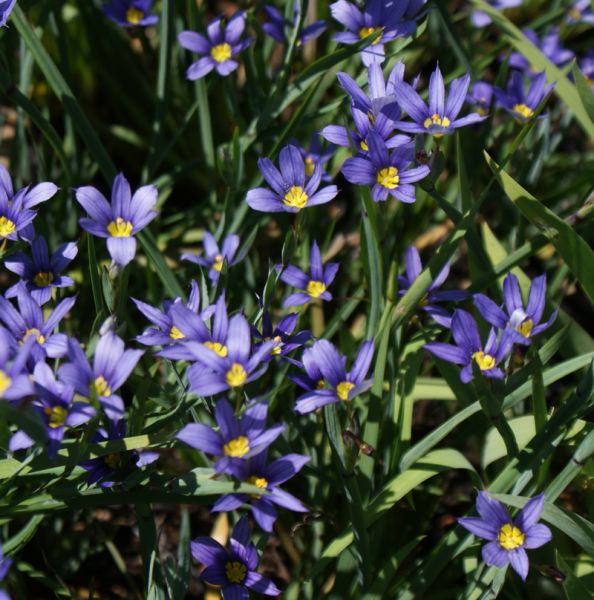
(516,101)
(214,257)
(130,13)
(277,24)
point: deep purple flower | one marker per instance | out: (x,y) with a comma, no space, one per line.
(57,409)
(524,323)
(282,334)
(550,46)
(430,302)
(315,285)
(104,469)
(440,116)
(586,65)
(277,24)
(16,214)
(233,570)
(121,220)
(335,384)
(266,477)
(383,16)
(386,172)
(480,96)
(469,350)
(42,272)
(516,101)
(222,44)
(508,540)
(5,564)
(237,439)
(313,155)
(15,383)
(482,19)
(214,257)
(29,321)
(6,7)
(129,13)
(112,365)
(580,12)
(291,190)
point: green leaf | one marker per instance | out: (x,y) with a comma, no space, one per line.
(572,585)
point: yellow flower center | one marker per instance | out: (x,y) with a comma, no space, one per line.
(102,387)
(525,328)
(367,31)
(277,349)
(388,177)
(295,197)
(315,288)
(343,389)
(436,120)
(217,265)
(134,15)
(320,385)
(221,52)
(236,375)
(6,227)
(235,571)
(510,537)
(43,279)
(218,348)
(484,361)
(112,460)
(5,382)
(363,145)
(237,448)
(120,228)
(310,166)
(176,334)
(523,110)
(57,416)
(575,14)
(34,331)
(260,482)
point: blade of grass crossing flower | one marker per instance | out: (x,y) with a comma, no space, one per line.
(584,90)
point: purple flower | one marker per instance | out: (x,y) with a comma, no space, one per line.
(266,477)
(314,286)
(42,272)
(112,365)
(282,334)
(5,562)
(313,155)
(586,65)
(129,13)
(524,323)
(275,27)
(440,116)
(515,101)
(481,95)
(291,190)
(14,378)
(385,171)
(508,540)
(29,321)
(434,296)
(377,16)
(580,12)
(482,19)
(327,379)
(121,220)
(214,258)
(222,44)
(469,349)
(16,214)
(237,439)
(57,409)
(216,370)
(550,46)
(233,570)
(6,7)
(104,469)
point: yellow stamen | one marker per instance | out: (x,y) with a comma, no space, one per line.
(525,328)
(484,361)
(521,109)
(510,537)
(57,416)
(367,31)
(134,15)
(320,385)
(176,334)
(260,482)
(435,119)
(363,145)
(5,382)
(218,348)
(277,349)
(388,177)
(296,197)
(43,279)
(34,331)
(120,228)
(575,14)
(343,389)
(221,52)
(6,227)
(236,375)
(315,288)
(310,166)
(235,571)
(237,448)
(217,265)
(102,387)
